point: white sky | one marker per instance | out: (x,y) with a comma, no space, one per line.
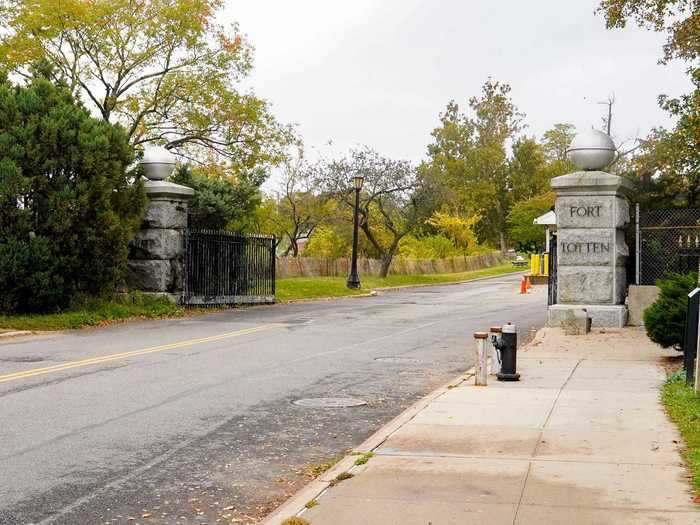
(380,72)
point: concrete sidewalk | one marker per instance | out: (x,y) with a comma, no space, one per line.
(581,439)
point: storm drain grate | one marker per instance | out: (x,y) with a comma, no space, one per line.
(329,402)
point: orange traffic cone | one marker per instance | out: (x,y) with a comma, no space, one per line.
(523,286)
(527,282)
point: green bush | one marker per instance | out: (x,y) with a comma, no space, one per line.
(67,207)
(327,242)
(429,247)
(665,319)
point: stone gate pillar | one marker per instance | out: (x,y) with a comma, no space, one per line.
(592,212)
(156,254)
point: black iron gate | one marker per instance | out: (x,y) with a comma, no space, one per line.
(552,282)
(225,268)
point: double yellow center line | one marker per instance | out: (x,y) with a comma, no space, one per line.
(125,355)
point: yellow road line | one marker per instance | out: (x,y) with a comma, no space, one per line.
(124,355)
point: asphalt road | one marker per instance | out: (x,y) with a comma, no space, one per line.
(191,421)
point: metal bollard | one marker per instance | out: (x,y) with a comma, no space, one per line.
(481,365)
(508,345)
(495,354)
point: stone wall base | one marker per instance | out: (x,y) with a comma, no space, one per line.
(639,298)
(608,316)
(172,297)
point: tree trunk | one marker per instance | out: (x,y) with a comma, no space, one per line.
(502,239)
(385,264)
(387,257)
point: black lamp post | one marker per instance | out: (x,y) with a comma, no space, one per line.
(353,278)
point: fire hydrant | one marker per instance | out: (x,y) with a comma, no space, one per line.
(507,344)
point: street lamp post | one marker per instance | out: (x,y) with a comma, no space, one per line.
(353,278)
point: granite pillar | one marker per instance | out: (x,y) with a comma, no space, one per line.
(592,211)
(156,254)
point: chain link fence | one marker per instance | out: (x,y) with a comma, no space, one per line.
(669,242)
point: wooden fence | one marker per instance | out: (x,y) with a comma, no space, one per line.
(316,267)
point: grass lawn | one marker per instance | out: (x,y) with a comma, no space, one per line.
(95,312)
(683,407)
(296,288)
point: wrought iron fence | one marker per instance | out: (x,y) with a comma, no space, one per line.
(225,268)
(669,242)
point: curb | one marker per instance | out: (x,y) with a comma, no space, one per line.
(296,504)
(320,299)
(15,333)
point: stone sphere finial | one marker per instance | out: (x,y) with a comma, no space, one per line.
(591,150)
(157,163)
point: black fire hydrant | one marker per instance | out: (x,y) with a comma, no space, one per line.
(507,344)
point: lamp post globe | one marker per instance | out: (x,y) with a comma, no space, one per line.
(591,150)
(358,181)
(158,163)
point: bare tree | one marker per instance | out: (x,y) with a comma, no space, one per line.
(295,210)
(607,120)
(393,201)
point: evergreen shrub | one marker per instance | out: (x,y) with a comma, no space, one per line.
(665,319)
(68,208)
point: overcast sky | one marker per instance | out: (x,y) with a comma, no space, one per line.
(379,72)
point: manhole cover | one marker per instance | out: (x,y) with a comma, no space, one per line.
(396,359)
(330,402)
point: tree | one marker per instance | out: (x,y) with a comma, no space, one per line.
(164,69)
(527,170)
(298,206)
(68,208)
(458,229)
(328,243)
(680,19)
(394,199)
(668,167)
(522,214)
(220,202)
(669,161)
(469,157)
(556,141)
